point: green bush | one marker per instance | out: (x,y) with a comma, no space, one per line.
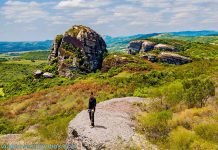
(197,91)
(200,144)
(141,92)
(113,71)
(208,131)
(3,59)
(6,127)
(181,139)
(173,93)
(155,125)
(50,68)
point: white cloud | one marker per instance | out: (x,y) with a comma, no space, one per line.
(65,4)
(23,12)
(111,16)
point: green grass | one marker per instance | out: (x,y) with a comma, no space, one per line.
(35,55)
(19,78)
(26,62)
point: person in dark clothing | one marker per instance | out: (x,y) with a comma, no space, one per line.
(91,109)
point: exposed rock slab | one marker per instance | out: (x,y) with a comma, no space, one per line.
(172,58)
(113,122)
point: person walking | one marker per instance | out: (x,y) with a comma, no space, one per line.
(91,109)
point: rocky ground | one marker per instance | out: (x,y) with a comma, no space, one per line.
(114,126)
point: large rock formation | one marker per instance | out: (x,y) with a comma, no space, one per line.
(78,49)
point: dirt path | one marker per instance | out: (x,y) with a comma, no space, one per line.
(113,126)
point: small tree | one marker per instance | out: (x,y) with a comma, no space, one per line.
(173,93)
(197,91)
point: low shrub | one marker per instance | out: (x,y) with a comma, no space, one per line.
(181,139)
(200,144)
(207,131)
(155,125)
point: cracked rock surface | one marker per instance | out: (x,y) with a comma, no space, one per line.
(113,123)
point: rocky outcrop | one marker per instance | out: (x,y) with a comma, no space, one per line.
(147,46)
(78,49)
(142,46)
(172,58)
(165,47)
(134,46)
(113,124)
(167,57)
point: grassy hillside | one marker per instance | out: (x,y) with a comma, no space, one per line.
(200,39)
(176,110)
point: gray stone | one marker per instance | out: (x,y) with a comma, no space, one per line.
(165,47)
(147,46)
(134,46)
(48,75)
(79,49)
(38,73)
(172,58)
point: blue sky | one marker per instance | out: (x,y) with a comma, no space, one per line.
(26,20)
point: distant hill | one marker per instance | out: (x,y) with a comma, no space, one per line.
(24,46)
(195,33)
(113,43)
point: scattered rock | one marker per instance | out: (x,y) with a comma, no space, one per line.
(112,123)
(147,46)
(165,47)
(79,49)
(172,58)
(38,73)
(48,75)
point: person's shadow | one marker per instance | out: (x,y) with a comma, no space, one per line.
(98,126)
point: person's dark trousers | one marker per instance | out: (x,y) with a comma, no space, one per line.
(91,116)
